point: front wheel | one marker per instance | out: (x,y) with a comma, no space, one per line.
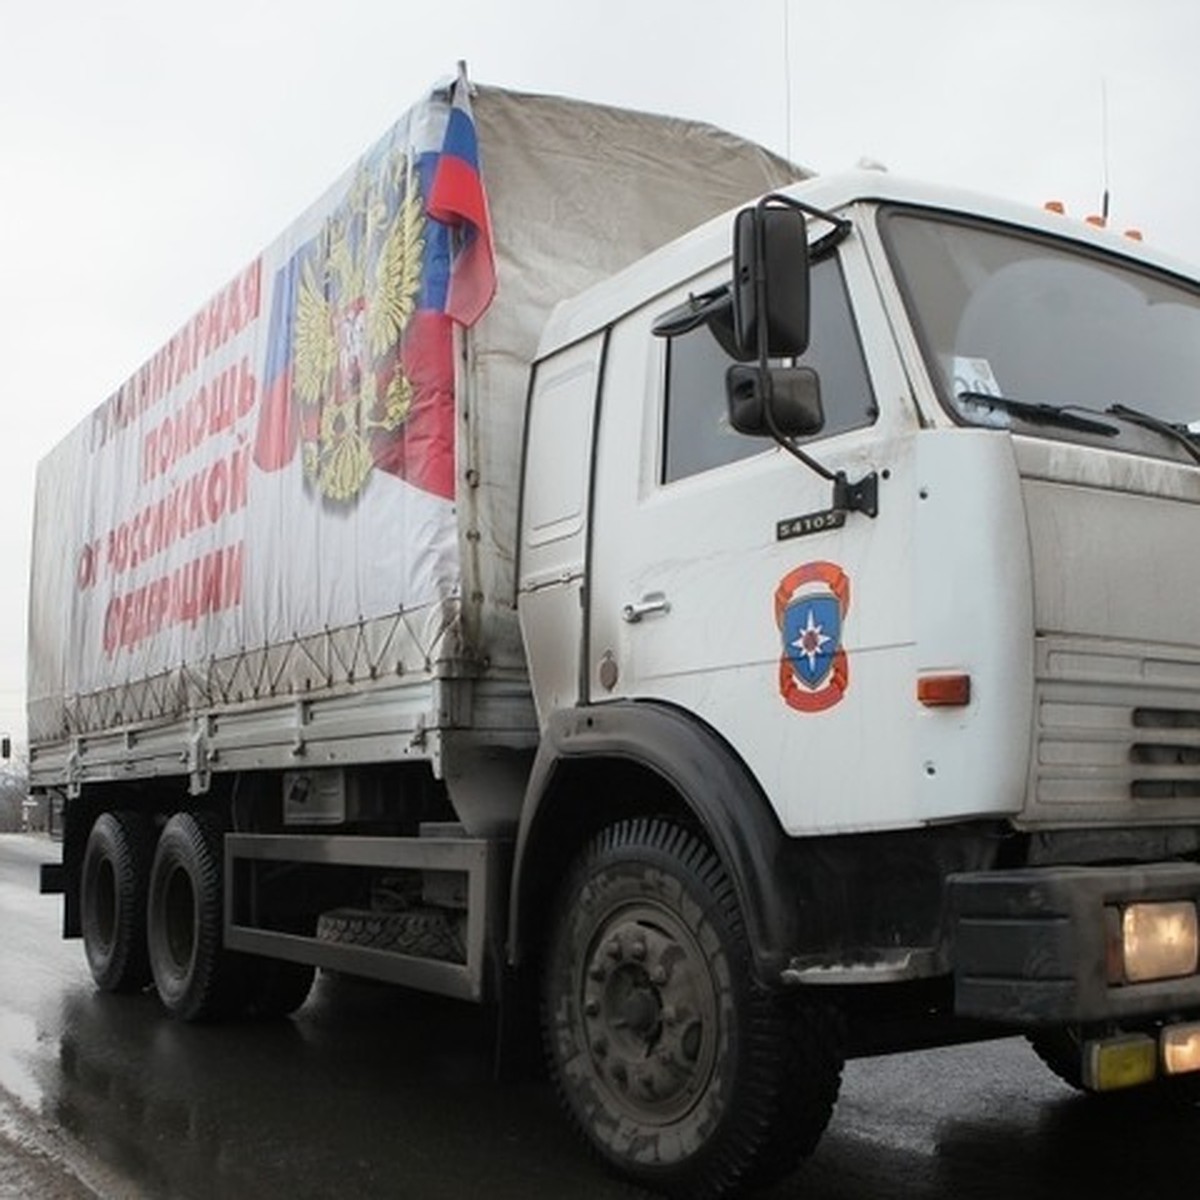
(665,1051)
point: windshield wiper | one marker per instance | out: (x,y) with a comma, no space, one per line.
(1040,413)
(1179,434)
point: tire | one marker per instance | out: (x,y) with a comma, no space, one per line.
(196,978)
(815,1037)
(422,933)
(1060,1050)
(116,867)
(665,1052)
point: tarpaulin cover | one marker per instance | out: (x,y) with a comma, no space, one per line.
(291,463)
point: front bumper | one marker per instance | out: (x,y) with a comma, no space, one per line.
(1029,945)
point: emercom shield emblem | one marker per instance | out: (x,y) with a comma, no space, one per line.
(811,603)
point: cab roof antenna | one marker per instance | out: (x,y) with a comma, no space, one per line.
(1104,199)
(787,84)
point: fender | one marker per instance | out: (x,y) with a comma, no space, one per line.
(710,780)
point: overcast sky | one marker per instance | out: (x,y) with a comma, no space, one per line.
(149,149)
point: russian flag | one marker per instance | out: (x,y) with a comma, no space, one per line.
(275,441)
(456,198)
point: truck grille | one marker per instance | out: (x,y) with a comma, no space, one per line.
(1117,733)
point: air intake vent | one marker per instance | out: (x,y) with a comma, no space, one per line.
(1166,718)
(1118,733)
(1165,789)
(1164,755)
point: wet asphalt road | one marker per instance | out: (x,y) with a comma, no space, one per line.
(369,1092)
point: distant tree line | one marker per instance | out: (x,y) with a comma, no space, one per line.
(14,787)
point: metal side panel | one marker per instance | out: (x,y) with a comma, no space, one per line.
(480,860)
(381,721)
(376,723)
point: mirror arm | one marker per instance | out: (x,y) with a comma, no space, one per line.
(841,226)
(862,496)
(783,440)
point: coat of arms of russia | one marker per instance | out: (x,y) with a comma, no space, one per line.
(356,292)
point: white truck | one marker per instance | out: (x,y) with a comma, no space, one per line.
(756,635)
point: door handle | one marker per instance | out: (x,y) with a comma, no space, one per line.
(652,602)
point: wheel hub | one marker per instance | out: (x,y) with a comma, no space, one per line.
(650,1012)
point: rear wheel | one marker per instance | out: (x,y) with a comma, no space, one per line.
(116,865)
(664,1049)
(195,976)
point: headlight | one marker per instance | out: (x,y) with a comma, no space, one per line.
(1152,941)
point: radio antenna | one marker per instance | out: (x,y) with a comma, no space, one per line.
(787,83)
(1104,147)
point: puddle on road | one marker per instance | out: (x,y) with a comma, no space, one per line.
(18,1048)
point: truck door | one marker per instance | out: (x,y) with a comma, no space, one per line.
(723,584)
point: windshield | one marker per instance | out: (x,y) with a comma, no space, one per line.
(1042,326)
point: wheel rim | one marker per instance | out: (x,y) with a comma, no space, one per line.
(179,919)
(650,1012)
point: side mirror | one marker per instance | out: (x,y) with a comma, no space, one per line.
(770,281)
(795,401)
(5,747)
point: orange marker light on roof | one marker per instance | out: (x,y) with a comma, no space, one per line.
(1055,206)
(944,691)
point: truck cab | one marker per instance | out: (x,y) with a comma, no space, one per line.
(948,732)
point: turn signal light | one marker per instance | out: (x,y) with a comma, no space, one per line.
(944,691)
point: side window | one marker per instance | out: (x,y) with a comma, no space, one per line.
(698,436)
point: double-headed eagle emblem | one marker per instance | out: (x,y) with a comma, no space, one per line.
(357,289)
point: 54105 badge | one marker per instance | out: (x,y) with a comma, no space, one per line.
(811,603)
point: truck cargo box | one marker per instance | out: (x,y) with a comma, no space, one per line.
(289,536)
